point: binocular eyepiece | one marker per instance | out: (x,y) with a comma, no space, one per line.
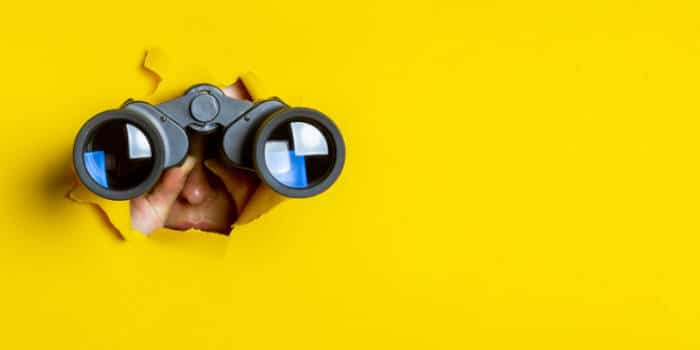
(120,154)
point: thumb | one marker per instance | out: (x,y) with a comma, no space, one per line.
(149,211)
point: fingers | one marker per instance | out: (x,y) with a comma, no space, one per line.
(264,199)
(149,211)
(251,197)
(169,187)
(239,183)
(143,217)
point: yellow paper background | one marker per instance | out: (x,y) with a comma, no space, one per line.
(519,175)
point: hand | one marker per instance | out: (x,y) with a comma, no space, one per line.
(149,211)
(191,195)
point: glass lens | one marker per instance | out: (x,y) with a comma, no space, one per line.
(298,154)
(118,156)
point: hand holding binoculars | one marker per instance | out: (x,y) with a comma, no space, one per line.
(121,153)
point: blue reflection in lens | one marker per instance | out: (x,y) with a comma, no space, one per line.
(285,165)
(95,164)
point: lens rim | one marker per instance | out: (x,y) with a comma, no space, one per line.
(89,129)
(313,117)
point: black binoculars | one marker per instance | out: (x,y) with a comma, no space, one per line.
(120,154)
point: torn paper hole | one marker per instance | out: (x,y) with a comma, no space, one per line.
(250,198)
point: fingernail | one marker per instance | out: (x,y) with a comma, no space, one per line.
(189,163)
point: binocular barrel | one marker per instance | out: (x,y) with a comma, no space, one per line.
(120,154)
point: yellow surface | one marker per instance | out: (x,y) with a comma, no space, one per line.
(519,175)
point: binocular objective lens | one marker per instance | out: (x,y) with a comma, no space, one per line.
(298,154)
(118,155)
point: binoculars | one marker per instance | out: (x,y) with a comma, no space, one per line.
(121,153)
